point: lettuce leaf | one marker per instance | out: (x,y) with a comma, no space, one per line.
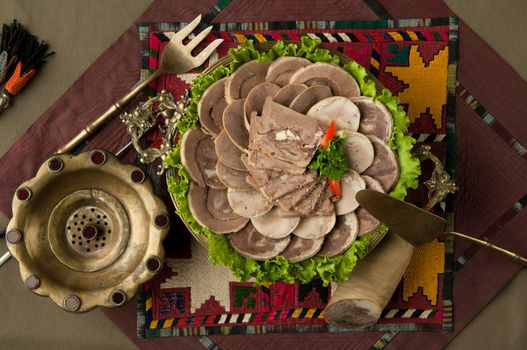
(329,270)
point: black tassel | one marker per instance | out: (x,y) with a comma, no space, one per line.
(33,54)
(13,38)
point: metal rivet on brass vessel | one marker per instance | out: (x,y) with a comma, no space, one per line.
(89,236)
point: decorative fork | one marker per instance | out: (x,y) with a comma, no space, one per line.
(176,59)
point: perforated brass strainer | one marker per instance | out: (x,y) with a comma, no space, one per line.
(87,230)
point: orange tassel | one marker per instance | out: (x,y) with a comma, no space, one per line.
(16,83)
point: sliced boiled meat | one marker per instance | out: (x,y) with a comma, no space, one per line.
(189,147)
(256,98)
(282,68)
(336,78)
(350,184)
(211,107)
(227,152)
(325,205)
(250,243)
(244,79)
(340,109)
(359,151)
(272,225)
(218,205)
(287,94)
(216,222)
(385,168)
(341,236)
(307,206)
(300,249)
(372,184)
(232,178)
(314,227)
(291,199)
(367,222)
(375,119)
(261,161)
(248,203)
(206,160)
(311,96)
(287,183)
(285,134)
(233,124)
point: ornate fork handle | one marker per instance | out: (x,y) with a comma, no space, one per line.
(161,111)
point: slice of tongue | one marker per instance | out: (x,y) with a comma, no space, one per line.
(306,99)
(340,109)
(233,123)
(287,94)
(336,78)
(250,243)
(300,249)
(232,178)
(218,205)
(227,152)
(211,107)
(375,119)
(220,220)
(206,160)
(273,226)
(351,183)
(244,79)
(384,168)
(341,237)
(189,147)
(281,70)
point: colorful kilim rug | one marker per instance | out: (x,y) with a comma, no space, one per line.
(416,60)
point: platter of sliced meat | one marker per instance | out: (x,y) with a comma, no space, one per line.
(248,158)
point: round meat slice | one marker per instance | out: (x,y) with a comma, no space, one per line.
(340,109)
(287,94)
(385,168)
(206,159)
(234,126)
(350,184)
(211,107)
(197,202)
(274,226)
(244,79)
(367,222)
(375,119)
(248,203)
(300,249)
(189,146)
(335,77)
(281,70)
(228,153)
(218,205)
(341,237)
(306,99)
(359,151)
(256,98)
(232,178)
(250,243)
(313,227)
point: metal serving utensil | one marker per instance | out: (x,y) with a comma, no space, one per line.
(415,225)
(176,59)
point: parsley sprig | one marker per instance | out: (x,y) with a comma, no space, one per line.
(331,161)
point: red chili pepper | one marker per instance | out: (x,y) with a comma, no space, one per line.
(334,185)
(329,135)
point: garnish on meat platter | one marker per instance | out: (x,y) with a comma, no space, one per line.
(273,149)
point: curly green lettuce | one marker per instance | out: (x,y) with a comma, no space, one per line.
(334,269)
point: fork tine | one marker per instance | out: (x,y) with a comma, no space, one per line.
(199,38)
(185,31)
(203,55)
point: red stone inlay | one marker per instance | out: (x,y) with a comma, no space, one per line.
(153,264)
(55,164)
(137,176)
(23,194)
(118,297)
(14,236)
(98,157)
(161,220)
(89,232)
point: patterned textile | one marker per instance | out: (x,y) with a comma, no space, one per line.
(415,59)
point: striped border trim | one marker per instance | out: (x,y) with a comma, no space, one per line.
(492,122)
(383,341)
(207,343)
(409,313)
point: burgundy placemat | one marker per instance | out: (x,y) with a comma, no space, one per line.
(490,145)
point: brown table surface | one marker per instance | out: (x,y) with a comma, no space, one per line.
(80,31)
